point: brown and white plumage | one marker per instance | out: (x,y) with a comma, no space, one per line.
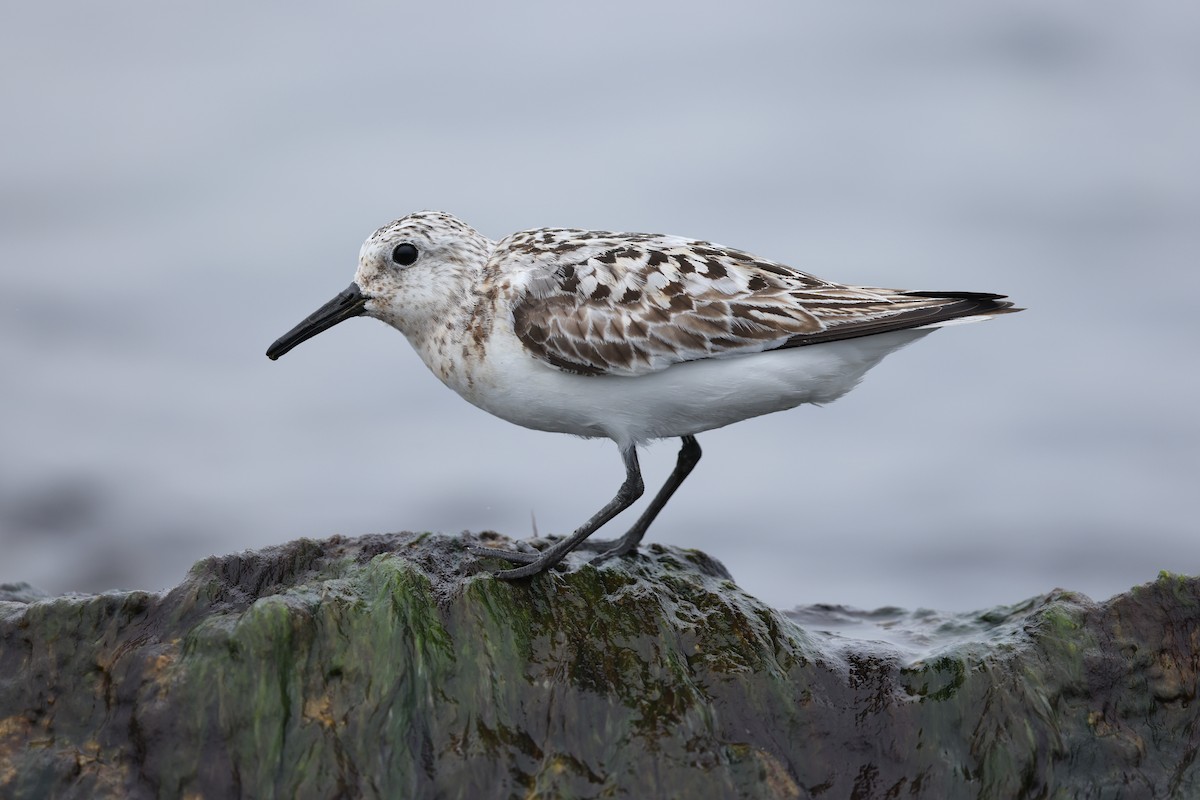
(630,336)
(600,303)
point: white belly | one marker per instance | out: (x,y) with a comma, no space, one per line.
(684,399)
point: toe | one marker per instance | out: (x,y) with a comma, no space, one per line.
(515,556)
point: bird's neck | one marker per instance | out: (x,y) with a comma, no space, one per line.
(447,322)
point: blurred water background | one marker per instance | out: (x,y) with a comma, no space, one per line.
(180,185)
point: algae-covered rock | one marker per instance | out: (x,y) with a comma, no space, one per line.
(394,666)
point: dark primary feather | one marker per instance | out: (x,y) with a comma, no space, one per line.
(962,304)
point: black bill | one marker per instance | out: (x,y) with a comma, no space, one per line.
(349,303)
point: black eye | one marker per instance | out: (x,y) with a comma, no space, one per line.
(404,254)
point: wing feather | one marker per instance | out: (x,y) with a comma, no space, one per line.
(601,303)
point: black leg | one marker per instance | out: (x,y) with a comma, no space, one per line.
(629,492)
(689,457)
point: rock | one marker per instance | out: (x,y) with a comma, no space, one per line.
(393,666)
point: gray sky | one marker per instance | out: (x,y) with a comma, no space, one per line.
(179,187)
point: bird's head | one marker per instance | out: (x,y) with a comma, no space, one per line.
(409,272)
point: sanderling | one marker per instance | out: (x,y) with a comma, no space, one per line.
(629,336)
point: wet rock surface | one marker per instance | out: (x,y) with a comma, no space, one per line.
(394,666)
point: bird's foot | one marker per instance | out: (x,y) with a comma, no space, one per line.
(536,561)
(528,571)
(532,562)
(614,548)
(515,556)
(617,549)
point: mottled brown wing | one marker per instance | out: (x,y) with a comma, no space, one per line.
(599,303)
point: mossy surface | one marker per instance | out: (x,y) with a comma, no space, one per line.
(392,666)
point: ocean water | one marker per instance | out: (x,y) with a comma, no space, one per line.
(178,187)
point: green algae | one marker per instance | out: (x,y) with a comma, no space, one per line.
(389,666)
